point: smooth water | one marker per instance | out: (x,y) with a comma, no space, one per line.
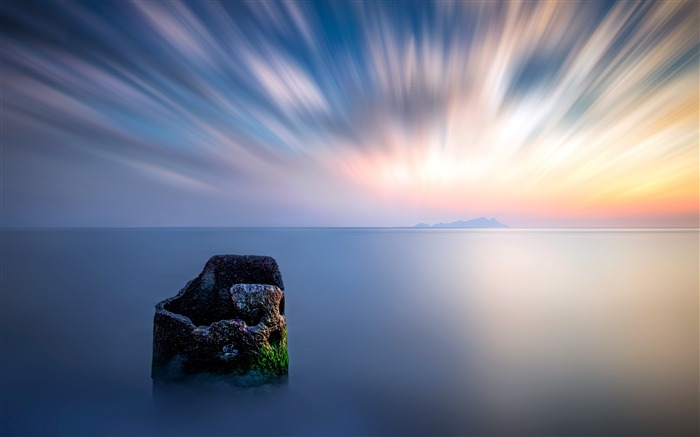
(391,332)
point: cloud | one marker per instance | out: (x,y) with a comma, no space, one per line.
(288,87)
(572,108)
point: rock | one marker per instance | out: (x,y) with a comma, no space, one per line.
(228,322)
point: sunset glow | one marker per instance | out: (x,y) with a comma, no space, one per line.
(357,113)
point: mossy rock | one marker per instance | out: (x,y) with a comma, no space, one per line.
(217,326)
(273,358)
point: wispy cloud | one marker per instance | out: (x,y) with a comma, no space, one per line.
(445,109)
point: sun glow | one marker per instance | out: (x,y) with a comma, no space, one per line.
(641,159)
(362,113)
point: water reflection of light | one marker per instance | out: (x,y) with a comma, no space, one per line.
(559,322)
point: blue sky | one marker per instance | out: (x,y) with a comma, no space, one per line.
(349,113)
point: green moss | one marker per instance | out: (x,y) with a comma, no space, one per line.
(273,358)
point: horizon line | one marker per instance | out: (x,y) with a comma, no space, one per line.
(509,228)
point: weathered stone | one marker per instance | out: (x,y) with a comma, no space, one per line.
(229,322)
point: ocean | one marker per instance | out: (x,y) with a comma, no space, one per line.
(392,332)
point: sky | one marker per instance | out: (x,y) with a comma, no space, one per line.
(541,114)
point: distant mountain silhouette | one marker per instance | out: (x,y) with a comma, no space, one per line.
(481,222)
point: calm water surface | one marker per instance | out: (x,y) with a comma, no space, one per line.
(391,332)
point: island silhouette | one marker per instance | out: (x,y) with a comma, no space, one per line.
(477,223)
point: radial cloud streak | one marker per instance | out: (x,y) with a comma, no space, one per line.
(350,113)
